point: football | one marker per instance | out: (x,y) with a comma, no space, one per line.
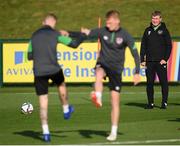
(27,108)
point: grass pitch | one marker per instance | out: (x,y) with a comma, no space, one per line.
(89,125)
(20,18)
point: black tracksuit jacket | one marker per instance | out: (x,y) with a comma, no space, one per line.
(156,44)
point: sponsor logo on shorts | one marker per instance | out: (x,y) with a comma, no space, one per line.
(117,88)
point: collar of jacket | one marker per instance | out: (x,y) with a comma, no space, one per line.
(46,26)
(161,25)
(114,30)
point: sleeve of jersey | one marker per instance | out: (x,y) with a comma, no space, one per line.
(64,40)
(168,45)
(134,52)
(70,42)
(30,51)
(143,48)
(94,34)
(74,34)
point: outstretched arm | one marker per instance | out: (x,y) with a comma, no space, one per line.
(90,34)
(93,33)
(74,43)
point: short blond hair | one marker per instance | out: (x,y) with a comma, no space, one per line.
(112,13)
(50,15)
(156,13)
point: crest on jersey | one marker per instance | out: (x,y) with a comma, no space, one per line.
(119,40)
(160,31)
(105,37)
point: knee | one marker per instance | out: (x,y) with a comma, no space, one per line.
(150,83)
(63,95)
(99,77)
(164,84)
(100,73)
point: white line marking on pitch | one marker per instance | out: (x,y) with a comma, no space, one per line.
(141,142)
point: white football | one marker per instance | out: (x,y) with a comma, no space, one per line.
(27,108)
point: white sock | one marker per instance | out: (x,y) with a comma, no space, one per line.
(45,129)
(98,95)
(66,108)
(114,130)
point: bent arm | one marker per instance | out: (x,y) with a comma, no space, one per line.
(143,48)
(134,52)
(168,46)
(135,55)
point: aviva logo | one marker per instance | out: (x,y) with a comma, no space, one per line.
(20,57)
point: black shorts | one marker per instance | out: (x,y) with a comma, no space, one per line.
(115,78)
(41,82)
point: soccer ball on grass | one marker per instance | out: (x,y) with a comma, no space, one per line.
(27,108)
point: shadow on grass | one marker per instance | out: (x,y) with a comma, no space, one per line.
(141,105)
(30,133)
(84,133)
(176,104)
(34,134)
(90,133)
(175,120)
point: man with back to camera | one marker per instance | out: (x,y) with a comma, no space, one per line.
(155,51)
(43,51)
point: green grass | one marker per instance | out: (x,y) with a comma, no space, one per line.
(89,125)
(20,18)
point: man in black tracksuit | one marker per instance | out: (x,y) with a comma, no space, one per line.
(155,51)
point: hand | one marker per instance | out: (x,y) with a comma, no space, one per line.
(136,79)
(85,30)
(143,64)
(163,62)
(64,32)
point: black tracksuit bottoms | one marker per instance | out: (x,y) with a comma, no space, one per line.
(161,70)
